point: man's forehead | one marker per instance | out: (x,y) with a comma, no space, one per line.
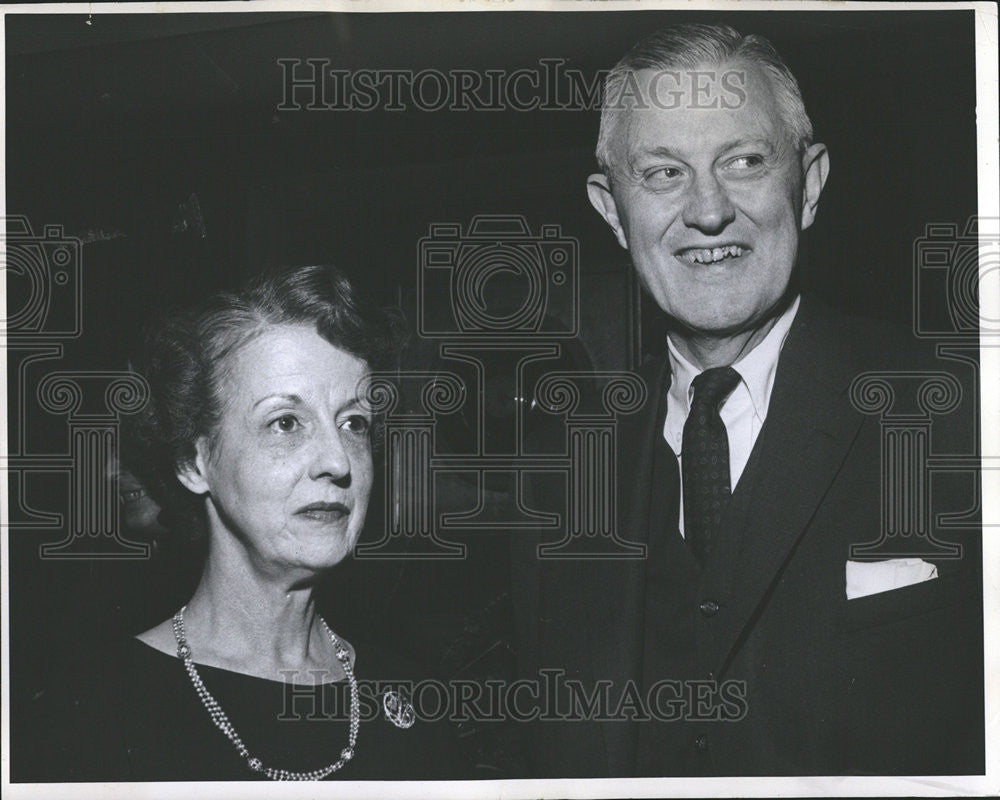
(711,106)
(726,84)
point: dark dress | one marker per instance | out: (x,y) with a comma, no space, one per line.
(129,712)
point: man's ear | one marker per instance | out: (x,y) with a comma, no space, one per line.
(192,474)
(599,192)
(815,167)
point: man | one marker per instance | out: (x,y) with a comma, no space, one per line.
(752,640)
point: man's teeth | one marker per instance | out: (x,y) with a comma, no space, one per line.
(716,254)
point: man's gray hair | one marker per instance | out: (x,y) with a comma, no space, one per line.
(693,46)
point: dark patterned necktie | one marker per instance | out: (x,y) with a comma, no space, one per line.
(705,459)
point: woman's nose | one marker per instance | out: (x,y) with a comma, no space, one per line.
(329,457)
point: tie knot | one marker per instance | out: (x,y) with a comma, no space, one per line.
(712,386)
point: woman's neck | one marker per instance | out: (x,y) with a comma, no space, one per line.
(246,621)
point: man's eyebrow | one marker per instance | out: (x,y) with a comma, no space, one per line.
(732,145)
(294,399)
(660,151)
(663,151)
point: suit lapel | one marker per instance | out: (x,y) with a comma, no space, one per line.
(617,599)
(809,429)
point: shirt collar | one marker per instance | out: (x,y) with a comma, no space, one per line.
(757,368)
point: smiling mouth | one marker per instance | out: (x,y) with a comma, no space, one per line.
(712,255)
(324,512)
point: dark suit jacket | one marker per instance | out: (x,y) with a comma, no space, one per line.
(891,683)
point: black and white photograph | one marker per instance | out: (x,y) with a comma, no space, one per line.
(500,399)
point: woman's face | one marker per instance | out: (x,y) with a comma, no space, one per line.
(289,471)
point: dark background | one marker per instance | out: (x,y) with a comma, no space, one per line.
(156,140)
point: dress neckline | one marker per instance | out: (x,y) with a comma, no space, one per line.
(145,646)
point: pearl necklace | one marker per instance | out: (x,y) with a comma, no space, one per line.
(223,724)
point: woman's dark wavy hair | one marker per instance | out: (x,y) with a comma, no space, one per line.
(185,357)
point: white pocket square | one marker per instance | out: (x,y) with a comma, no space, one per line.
(871,577)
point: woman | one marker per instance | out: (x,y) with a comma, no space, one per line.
(256,440)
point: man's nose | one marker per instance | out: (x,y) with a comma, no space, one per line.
(708,207)
(329,457)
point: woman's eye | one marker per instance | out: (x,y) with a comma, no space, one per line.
(357,424)
(285,424)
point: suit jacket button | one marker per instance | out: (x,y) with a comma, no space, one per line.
(701,743)
(709,608)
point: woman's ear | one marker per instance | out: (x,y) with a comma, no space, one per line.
(192,474)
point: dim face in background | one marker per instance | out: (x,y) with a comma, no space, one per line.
(710,199)
(140,513)
(289,470)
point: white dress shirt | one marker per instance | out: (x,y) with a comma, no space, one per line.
(743,412)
